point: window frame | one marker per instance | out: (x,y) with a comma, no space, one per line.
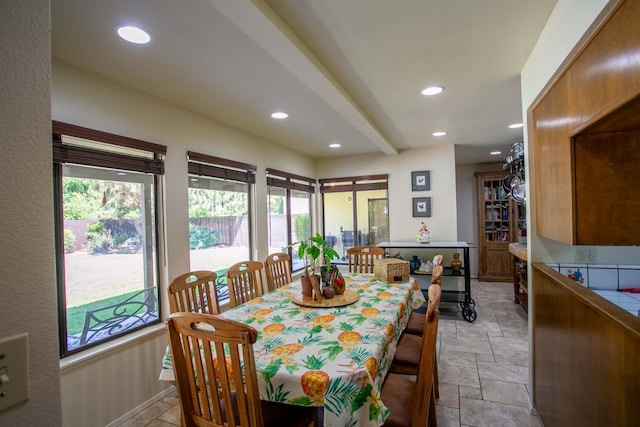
(219,168)
(290,182)
(63,153)
(352,184)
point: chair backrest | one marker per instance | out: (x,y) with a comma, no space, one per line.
(194,292)
(436,274)
(361,258)
(198,343)
(424,404)
(245,281)
(278,270)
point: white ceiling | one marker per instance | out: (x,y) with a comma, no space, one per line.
(346,71)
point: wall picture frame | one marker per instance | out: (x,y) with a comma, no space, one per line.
(421,206)
(420,180)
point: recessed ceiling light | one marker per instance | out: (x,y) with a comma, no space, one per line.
(279,115)
(495,153)
(193,179)
(335,145)
(122,173)
(515,126)
(432,90)
(133,34)
(439,133)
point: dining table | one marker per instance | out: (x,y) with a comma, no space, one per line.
(335,357)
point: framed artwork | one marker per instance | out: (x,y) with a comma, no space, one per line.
(420,181)
(422,206)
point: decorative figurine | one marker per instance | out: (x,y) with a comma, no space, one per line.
(424,235)
(456,263)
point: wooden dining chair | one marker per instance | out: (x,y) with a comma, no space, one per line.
(245,281)
(361,258)
(223,394)
(278,270)
(407,358)
(417,320)
(412,403)
(194,292)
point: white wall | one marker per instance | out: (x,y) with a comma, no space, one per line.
(101,386)
(27,275)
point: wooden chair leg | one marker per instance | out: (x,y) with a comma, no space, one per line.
(432,420)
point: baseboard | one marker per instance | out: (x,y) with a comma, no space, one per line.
(135,411)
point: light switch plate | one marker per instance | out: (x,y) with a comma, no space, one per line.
(14,370)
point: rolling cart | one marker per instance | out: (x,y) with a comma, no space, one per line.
(463,298)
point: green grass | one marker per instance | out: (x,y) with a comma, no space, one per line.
(76,315)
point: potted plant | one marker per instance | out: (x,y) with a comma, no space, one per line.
(316,253)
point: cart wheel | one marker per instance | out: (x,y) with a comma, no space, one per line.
(471,303)
(469,314)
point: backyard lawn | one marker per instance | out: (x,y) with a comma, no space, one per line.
(93,277)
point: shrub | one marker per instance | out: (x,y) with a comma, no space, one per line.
(99,239)
(302,228)
(200,238)
(69,241)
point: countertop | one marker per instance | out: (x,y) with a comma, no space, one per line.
(519,250)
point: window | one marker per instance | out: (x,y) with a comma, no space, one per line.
(105,190)
(219,214)
(289,202)
(356,211)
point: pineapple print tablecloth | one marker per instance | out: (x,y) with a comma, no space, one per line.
(331,357)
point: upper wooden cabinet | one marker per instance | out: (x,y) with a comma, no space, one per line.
(586,138)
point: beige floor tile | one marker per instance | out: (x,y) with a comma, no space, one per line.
(160,423)
(482,413)
(470,392)
(457,358)
(504,392)
(472,344)
(149,414)
(510,357)
(485,358)
(449,395)
(458,375)
(447,417)
(503,372)
(516,343)
(172,416)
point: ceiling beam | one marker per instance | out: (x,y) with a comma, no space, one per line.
(258,21)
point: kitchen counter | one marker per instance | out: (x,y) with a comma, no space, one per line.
(519,250)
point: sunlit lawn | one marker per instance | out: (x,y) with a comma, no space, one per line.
(76,315)
(98,280)
(94,277)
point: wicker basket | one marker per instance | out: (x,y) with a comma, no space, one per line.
(391,270)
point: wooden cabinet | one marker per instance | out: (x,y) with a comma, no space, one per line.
(520,281)
(586,138)
(497,227)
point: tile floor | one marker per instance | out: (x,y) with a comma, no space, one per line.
(483,367)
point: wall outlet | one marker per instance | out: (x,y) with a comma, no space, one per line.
(14,370)
(585,255)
